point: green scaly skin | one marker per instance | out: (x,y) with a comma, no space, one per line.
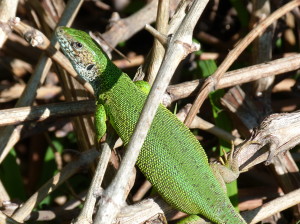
(171,158)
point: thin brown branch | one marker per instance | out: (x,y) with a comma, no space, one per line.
(146,186)
(15,92)
(134,61)
(207,126)
(236,77)
(123,29)
(86,214)
(158,49)
(272,207)
(19,115)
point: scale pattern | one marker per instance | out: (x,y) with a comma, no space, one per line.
(171,158)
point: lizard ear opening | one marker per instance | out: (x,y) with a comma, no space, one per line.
(90,67)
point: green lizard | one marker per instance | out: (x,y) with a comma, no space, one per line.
(171,158)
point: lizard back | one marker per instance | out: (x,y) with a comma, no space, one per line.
(171,158)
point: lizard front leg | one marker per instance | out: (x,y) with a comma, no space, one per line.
(100,121)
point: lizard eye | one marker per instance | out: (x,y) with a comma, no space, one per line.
(76,45)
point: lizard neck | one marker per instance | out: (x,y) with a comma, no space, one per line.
(107,76)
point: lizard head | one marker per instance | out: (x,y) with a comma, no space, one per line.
(82,52)
(87,58)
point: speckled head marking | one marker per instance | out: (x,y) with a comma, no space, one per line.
(78,47)
(88,59)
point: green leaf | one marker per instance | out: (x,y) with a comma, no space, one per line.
(11,178)
(242,12)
